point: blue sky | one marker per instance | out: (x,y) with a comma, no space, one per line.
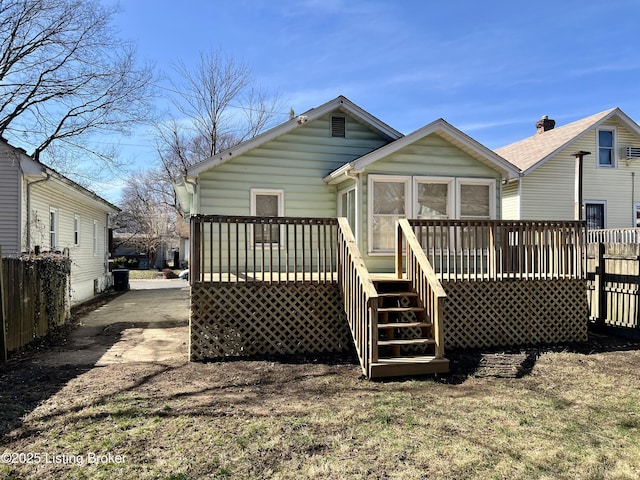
(489,68)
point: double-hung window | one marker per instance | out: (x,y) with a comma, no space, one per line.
(388,201)
(606,148)
(267,203)
(53,228)
(76,230)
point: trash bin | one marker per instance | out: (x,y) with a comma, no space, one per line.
(121,279)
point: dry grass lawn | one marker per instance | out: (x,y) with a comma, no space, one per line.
(571,416)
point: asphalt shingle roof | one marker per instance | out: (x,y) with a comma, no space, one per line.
(526,153)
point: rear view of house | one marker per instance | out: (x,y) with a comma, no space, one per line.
(42,210)
(334,226)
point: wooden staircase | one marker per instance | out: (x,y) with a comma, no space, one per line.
(406,343)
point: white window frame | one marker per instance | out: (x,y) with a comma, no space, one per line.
(476,181)
(451,196)
(95,238)
(341,213)
(53,229)
(276,193)
(76,230)
(614,146)
(596,202)
(373,178)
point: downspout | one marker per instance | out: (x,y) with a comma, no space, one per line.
(29,184)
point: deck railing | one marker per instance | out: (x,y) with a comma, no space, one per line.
(265,249)
(614,235)
(359,296)
(500,249)
(423,280)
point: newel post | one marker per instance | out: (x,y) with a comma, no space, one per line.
(399,240)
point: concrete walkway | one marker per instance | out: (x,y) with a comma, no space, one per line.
(149,323)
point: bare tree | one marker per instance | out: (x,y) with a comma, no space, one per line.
(145,220)
(65,75)
(219,106)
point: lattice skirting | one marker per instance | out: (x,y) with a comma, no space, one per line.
(504,313)
(262,319)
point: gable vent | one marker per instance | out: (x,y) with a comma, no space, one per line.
(338,126)
(632,152)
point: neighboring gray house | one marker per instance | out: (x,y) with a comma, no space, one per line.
(41,208)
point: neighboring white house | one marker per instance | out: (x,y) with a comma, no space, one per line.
(42,209)
(588,169)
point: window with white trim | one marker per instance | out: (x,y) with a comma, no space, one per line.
(76,230)
(476,199)
(595,213)
(347,207)
(267,203)
(433,198)
(95,237)
(53,228)
(388,201)
(607,148)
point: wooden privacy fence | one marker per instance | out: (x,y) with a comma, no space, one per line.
(501,249)
(34,301)
(614,284)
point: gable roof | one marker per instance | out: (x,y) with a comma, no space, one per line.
(339,103)
(34,168)
(441,128)
(530,153)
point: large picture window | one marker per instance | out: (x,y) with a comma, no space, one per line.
(267,203)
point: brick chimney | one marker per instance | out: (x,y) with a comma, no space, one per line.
(545,124)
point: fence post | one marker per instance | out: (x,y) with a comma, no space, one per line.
(3,335)
(601,284)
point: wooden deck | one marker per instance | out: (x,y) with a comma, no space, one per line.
(310,291)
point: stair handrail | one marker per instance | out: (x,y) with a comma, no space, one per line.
(359,296)
(423,279)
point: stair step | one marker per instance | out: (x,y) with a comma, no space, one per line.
(400,342)
(397,294)
(404,325)
(400,309)
(402,366)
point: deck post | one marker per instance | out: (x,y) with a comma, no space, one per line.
(196,250)
(601,284)
(399,240)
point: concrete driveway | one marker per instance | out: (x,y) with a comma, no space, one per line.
(149,323)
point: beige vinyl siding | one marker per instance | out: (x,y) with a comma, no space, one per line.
(86,268)
(431,156)
(548,192)
(10,210)
(613,185)
(510,201)
(296,162)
